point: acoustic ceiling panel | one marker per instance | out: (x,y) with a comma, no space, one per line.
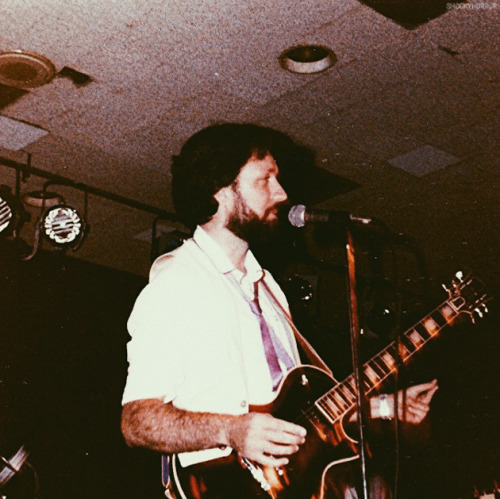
(16,135)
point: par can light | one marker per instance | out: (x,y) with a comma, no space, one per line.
(6,216)
(63,226)
(12,215)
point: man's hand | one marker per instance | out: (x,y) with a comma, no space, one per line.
(413,405)
(163,427)
(264,438)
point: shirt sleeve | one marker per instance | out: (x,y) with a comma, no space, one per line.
(159,330)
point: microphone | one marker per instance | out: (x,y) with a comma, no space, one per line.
(299,215)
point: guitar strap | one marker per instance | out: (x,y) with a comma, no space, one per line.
(308,349)
(310,352)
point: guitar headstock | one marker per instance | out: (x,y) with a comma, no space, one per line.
(466,295)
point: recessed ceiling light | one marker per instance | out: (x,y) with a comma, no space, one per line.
(22,69)
(307,59)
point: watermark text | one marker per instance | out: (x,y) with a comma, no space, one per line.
(471,6)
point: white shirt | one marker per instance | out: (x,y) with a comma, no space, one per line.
(194,340)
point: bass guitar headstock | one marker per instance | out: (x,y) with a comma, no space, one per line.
(466,295)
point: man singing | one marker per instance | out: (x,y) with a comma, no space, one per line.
(210,335)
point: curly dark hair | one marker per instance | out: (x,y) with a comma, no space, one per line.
(211,159)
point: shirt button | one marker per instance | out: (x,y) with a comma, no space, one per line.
(243,403)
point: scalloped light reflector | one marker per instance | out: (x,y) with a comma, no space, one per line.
(22,69)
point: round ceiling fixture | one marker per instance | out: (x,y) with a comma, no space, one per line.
(22,69)
(307,59)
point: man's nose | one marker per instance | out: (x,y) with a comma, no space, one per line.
(279,194)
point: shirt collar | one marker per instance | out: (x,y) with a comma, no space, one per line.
(222,262)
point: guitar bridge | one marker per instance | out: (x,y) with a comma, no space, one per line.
(257,474)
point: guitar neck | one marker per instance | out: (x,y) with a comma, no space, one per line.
(341,399)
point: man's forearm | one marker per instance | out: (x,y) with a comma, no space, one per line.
(162,427)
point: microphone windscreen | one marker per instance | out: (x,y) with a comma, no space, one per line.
(296,215)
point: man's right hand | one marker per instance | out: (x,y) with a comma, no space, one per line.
(264,438)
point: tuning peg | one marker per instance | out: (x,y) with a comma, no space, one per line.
(460,276)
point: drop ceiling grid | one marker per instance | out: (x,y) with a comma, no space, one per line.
(162,53)
(201,39)
(394,124)
(84,164)
(111,241)
(346,158)
(465,140)
(72,159)
(378,129)
(458,27)
(159,50)
(45,105)
(7,175)
(62,31)
(298,15)
(362,32)
(461,200)
(98,114)
(362,79)
(161,137)
(482,62)
(233,54)
(416,206)
(97,168)
(436,95)
(106,116)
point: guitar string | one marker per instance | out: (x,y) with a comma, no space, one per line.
(344,384)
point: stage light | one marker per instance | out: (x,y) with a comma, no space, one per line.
(63,226)
(12,215)
(6,216)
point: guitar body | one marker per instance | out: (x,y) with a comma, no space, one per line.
(311,398)
(326,444)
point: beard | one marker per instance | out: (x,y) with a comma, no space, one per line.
(246,224)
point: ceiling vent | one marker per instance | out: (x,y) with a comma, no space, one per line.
(424,160)
(411,13)
(22,69)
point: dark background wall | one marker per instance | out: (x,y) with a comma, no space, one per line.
(63,367)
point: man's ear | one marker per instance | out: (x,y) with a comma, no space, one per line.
(224,196)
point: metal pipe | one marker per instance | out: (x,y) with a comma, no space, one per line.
(59,179)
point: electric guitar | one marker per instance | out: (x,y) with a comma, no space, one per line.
(312,398)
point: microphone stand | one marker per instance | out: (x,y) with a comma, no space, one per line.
(356,362)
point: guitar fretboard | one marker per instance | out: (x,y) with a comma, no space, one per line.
(341,399)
